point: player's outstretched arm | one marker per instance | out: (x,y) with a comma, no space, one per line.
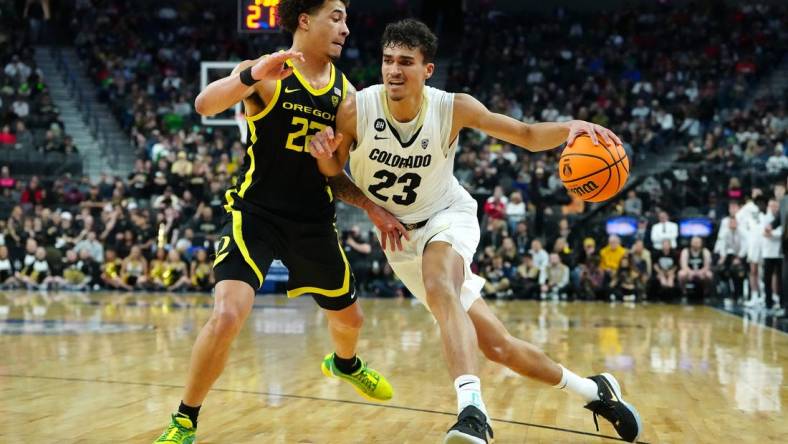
(470,113)
(220,95)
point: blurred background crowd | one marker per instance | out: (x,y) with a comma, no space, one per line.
(701,218)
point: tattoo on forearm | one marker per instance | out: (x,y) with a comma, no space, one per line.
(344,188)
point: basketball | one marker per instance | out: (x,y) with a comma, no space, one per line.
(594,173)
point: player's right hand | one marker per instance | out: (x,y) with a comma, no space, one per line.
(272,66)
(324,143)
(391,230)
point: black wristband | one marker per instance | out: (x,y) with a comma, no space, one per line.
(246,77)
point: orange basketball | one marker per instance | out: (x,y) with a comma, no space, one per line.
(594,173)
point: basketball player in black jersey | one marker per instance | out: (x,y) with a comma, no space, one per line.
(281,206)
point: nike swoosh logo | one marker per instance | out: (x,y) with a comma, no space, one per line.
(465,383)
(288,90)
(613,396)
(380,138)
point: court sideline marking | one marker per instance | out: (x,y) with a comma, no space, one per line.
(313,398)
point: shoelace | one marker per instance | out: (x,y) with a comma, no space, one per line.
(365,379)
(177,433)
(475,425)
(609,410)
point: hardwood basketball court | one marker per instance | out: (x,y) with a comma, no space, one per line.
(109,367)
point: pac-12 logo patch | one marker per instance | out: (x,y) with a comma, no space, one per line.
(425,143)
(380,125)
(335,100)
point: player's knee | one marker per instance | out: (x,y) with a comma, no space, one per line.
(440,291)
(352,320)
(226,322)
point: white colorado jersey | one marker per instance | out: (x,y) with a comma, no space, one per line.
(406,168)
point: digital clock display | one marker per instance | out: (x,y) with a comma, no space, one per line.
(258,15)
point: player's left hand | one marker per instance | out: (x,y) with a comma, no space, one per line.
(391,230)
(324,143)
(580,127)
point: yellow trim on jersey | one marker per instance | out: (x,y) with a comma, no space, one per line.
(305,84)
(344,86)
(341,291)
(248,176)
(330,194)
(267,108)
(239,240)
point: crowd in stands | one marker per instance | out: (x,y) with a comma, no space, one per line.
(659,76)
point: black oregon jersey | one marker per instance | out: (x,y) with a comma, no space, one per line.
(279,175)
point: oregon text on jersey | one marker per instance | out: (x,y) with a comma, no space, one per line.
(278,175)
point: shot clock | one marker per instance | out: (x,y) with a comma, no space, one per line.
(258,16)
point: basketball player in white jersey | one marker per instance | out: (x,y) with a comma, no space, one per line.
(401,138)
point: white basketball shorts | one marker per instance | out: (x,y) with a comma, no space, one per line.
(456,225)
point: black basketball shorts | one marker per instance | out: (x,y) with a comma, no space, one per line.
(311,252)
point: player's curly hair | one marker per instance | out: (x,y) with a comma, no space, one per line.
(412,34)
(289,10)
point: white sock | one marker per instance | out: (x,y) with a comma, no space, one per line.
(469,392)
(584,387)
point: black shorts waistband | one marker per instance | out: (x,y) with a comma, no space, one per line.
(415,226)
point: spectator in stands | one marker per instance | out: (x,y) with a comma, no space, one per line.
(564,252)
(778,161)
(626,282)
(134,269)
(521,239)
(554,279)
(202,272)
(175,276)
(33,194)
(754,220)
(772,256)
(695,267)
(641,259)
(383,282)
(90,244)
(7,272)
(665,269)
(6,181)
(90,268)
(526,281)
(633,205)
(24,138)
(539,255)
(495,206)
(730,248)
(37,274)
(508,252)
(515,211)
(593,281)
(74,276)
(611,254)
(7,138)
(357,250)
(664,229)
(497,280)
(111,272)
(156,269)
(494,234)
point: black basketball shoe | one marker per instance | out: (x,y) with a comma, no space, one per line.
(624,416)
(471,428)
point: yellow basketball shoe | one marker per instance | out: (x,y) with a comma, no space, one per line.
(366,381)
(180,431)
